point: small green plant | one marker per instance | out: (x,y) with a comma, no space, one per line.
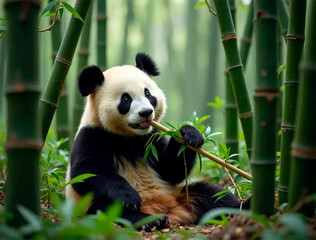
(59,11)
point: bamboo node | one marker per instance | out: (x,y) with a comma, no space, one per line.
(14,142)
(287,127)
(84,52)
(270,94)
(303,152)
(246,115)
(235,66)
(294,37)
(54,105)
(58,59)
(101,17)
(229,36)
(246,40)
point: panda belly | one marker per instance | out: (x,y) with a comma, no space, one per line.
(158,197)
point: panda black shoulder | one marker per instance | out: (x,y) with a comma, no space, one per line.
(146,64)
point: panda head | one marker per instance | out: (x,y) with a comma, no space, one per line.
(122,99)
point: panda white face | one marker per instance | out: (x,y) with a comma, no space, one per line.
(125,102)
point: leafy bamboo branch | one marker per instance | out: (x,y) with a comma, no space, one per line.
(201,151)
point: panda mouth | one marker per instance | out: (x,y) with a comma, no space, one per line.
(141,125)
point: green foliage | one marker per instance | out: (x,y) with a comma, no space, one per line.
(4,28)
(59,9)
(281,69)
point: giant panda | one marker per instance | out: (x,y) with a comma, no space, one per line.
(110,143)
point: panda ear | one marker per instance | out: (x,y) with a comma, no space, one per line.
(146,64)
(88,79)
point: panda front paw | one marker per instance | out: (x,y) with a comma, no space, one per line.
(191,136)
(129,197)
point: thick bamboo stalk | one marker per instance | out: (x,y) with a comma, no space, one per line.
(2,73)
(50,98)
(231,119)
(280,84)
(263,159)
(22,91)
(83,56)
(303,149)
(229,40)
(295,43)
(62,118)
(283,15)
(101,34)
(205,153)
(246,39)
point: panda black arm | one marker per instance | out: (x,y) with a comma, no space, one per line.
(171,166)
(90,155)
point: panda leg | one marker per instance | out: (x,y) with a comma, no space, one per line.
(128,214)
(201,200)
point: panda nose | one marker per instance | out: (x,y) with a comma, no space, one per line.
(145,113)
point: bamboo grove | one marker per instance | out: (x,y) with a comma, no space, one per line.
(267,22)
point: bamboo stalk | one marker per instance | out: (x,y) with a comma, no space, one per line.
(263,159)
(50,98)
(24,144)
(246,39)
(62,118)
(3,61)
(295,44)
(303,149)
(231,119)
(101,34)
(229,40)
(83,56)
(283,15)
(205,153)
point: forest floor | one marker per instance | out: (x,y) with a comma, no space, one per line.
(238,228)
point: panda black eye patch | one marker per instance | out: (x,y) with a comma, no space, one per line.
(125,103)
(151,98)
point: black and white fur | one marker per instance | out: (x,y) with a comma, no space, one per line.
(111,142)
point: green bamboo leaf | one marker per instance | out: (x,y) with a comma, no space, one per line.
(222,222)
(4,21)
(48,7)
(200,161)
(114,211)
(221,194)
(170,125)
(146,155)
(50,14)
(154,151)
(61,13)
(202,119)
(212,214)
(281,68)
(72,11)
(56,176)
(34,223)
(79,178)
(200,4)
(82,205)
(183,147)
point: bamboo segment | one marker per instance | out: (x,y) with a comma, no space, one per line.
(283,15)
(62,119)
(303,149)
(246,39)
(295,44)
(229,40)
(263,159)
(205,153)
(231,119)
(50,98)
(83,55)
(22,91)
(101,34)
